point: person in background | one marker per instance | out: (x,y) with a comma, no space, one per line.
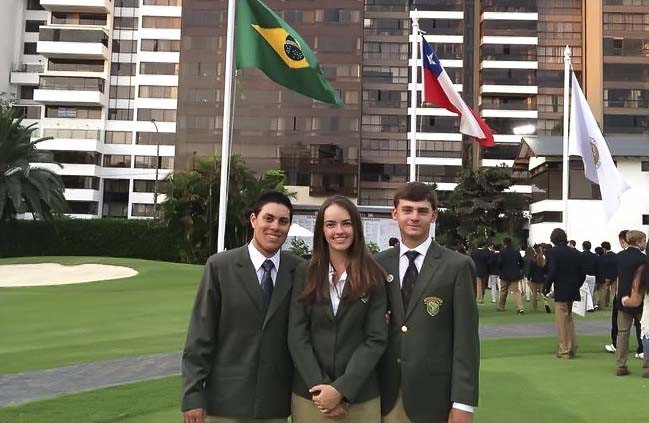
(393,242)
(628,262)
(590,261)
(640,296)
(572,244)
(494,279)
(600,278)
(510,264)
(536,275)
(610,274)
(481,258)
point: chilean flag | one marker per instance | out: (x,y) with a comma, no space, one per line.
(439,90)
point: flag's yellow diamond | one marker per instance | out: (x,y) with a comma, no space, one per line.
(284,45)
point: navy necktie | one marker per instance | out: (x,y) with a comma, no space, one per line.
(409,278)
(267,282)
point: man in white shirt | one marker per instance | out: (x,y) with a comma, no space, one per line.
(429,372)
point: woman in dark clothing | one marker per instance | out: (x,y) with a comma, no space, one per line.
(536,274)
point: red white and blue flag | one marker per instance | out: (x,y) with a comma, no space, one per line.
(439,90)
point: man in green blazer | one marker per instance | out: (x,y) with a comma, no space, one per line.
(429,372)
(236,366)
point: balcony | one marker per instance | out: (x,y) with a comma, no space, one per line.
(25,74)
(72,91)
(94,6)
(73,43)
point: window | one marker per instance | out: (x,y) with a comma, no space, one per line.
(29,48)
(77,157)
(34,5)
(117,160)
(124,46)
(122,91)
(122,69)
(645,219)
(127,3)
(148,68)
(32,26)
(71,83)
(155,138)
(80,182)
(26,92)
(547,216)
(72,112)
(143,210)
(160,115)
(75,134)
(160,45)
(118,137)
(163,2)
(166,22)
(61,18)
(158,91)
(120,114)
(149,162)
(644,166)
(73,35)
(75,65)
(142,185)
(125,22)
(83,207)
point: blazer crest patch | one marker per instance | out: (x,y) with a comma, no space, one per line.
(433,305)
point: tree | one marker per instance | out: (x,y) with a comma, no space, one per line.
(24,186)
(192,204)
(480,208)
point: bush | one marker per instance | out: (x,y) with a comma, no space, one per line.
(98,237)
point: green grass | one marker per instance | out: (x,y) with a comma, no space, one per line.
(44,327)
(489,315)
(520,381)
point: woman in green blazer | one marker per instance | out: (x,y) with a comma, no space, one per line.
(337,326)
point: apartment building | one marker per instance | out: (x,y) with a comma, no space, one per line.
(100,77)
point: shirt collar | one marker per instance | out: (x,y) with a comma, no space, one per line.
(422,248)
(343,277)
(258,258)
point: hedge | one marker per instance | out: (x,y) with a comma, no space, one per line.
(97,237)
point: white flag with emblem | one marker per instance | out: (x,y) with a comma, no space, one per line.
(586,140)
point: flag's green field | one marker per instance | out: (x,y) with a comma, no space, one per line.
(45,327)
(521,381)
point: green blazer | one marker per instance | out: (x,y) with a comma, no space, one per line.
(433,353)
(236,361)
(341,350)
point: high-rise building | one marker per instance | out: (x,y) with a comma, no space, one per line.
(133,88)
(100,78)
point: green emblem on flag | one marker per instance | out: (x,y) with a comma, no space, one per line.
(266,42)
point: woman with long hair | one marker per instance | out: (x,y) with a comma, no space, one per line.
(337,325)
(640,295)
(537,273)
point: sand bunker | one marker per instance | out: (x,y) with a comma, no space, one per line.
(44,274)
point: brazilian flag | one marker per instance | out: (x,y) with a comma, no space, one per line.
(266,42)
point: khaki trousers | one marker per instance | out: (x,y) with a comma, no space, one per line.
(398,413)
(505,286)
(624,323)
(612,290)
(480,284)
(536,288)
(304,411)
(215,419)
(602,293)
(565,329)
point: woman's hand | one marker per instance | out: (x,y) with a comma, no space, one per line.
(325,397)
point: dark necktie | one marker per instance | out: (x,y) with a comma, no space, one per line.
(267,282)
(409,278)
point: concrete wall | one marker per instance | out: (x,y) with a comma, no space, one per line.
(586,219)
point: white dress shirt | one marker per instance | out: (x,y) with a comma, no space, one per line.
(258,259)
(422,249)
(336,290)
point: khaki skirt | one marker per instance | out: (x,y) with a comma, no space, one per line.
(305,411)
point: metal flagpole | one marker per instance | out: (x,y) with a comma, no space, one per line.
(227,125)
(413,97)
(566,114)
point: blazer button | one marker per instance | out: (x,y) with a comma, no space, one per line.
(404,328)
(398,361)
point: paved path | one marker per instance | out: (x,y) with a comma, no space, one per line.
(29,386)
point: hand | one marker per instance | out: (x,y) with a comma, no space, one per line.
(624,300)
(196,415)
(340,411)
(325,397)
(459,416)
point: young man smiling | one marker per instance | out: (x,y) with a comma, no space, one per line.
(429,372)
(236,365)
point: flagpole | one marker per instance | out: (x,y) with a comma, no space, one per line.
(413,97)
(227,126)
(566,113)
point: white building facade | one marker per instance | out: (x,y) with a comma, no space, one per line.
(100,78)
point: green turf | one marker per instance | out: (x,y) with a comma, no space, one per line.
(520,381)
(44,327)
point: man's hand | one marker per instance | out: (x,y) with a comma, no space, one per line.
(340,411)
(325,397)
(459,416)
(196,415)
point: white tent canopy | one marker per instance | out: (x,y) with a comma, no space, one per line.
(299,231)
